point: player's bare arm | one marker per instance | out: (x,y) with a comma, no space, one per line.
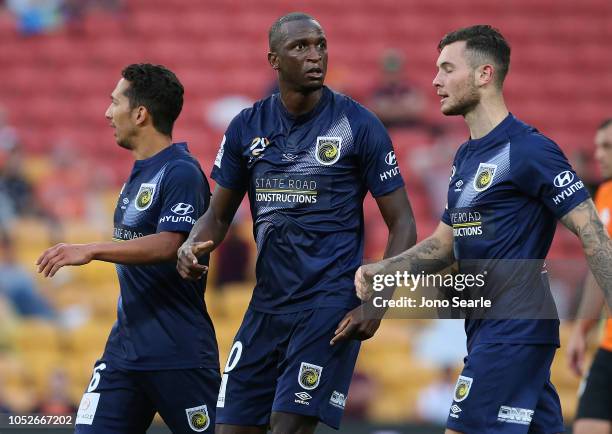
(208,232)
(431,255)
(584,221)
(397,214)
(149,249)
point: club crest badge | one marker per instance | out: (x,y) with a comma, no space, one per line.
(144,198)
(309,375)
(462,388)
(198,418)
(327,150)
(484,176)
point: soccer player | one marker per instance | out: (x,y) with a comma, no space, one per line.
(594,415)
(161,355)
(509,184)
(306,156)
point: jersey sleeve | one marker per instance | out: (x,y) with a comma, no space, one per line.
(380,171)
(185,196)
(542,171)
(230,169)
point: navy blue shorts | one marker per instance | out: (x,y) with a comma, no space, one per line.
(121,402)
(284,363)
(506,389)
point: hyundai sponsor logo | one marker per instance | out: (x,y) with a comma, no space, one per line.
(564,178)
(182,208)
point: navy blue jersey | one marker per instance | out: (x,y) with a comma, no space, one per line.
(506,192)
(162,321)
(306,178)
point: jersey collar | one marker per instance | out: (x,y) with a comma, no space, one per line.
(497,134)
(162,155)
(325,97)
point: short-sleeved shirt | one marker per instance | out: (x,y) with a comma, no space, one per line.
(162,322)
(603,202)
(506,192)
(306,178)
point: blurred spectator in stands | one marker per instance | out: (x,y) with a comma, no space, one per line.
(361,395)
(36,16)
(109,5)
(13,182)
(16,192)
(432,166)
(396,102)
(18,286)
(73,12)
(584,165)
(221,111)
(434,400)
(41,16)
(56,400)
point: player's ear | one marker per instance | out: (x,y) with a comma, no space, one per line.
(273,60)
(484,74)
(140,115)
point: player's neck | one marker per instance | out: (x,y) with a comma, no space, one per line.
(488,114)
(298,103)
(147,145)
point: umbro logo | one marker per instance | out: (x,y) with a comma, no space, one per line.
(302,398)
(455,410)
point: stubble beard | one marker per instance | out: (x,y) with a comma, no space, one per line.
(465,103)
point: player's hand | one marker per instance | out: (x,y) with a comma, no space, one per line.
(356,325)
(576,350)
(364,280)
(62,254)
(187,262)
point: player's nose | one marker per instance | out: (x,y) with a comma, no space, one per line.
(436,81)
(313,54)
